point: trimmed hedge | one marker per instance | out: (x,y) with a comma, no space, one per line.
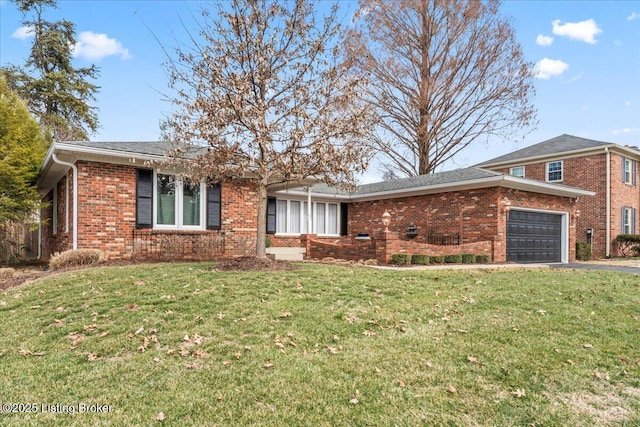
(483,259)
(583,251)
(420,259)
(452,259)
(437,259)
(468,258)
(400,259)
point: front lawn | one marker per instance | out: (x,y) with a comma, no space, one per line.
(321,346)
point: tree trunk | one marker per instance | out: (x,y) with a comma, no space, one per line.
(261,235)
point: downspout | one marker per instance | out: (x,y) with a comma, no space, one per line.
(607,251)
(309,221)
(75,196)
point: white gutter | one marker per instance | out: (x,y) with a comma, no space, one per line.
(607,251)
(75,196)
(309,217)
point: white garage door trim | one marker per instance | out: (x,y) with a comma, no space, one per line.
(564,237)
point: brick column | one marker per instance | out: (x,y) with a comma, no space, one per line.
(387,244)
(305,242)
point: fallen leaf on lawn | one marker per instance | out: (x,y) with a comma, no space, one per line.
(541,311)
(354,401)
(57,322)
(92,357)
(280,345)
(429,365)
(518,393)
(267,365)
(401,383)
(570,362)
(139,330)
(131,307)
(332,350)
(103,334)
(601,376)
(377,370)
(156,359)
(472,359)
(59,309)
(587,346)
(451,389)
(286,314)
(298,286)
(2,303)
(24,352)
(199,353)
(184,352)
(227,363)
(92,327)
(76,339)
(139,282)
(220,316)
(160,416)
(369,333)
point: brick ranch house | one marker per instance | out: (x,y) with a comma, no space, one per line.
(114,197)
(607,169)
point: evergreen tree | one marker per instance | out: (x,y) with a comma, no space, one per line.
(57,94)
(22,148)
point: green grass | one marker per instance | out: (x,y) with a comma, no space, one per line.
(324,346)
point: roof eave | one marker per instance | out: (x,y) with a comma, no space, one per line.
(572,153)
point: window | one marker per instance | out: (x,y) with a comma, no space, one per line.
(628,220)
(517,171)
(292,216)
(178,203)
(629,171)
(554,171)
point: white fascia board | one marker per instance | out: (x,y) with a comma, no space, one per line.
(506,181)
(71,148)
(558,155)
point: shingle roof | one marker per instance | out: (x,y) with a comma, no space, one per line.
(441,178)
(155,148)
(559,144)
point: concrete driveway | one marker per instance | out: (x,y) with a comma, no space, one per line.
(621,266)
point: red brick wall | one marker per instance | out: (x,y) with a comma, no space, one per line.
(107,216)
(472,214)
(590,173)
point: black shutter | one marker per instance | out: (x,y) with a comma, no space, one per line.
(214,207)
(271,215)
(344,219)
(634,172)
(144,198)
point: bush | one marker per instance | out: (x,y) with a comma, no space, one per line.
(483,259)
(583,251)
(419,259)
(6,273)
(400,259)
(628,244)
(437,259)
(468,258)
(452,259)
(75,257)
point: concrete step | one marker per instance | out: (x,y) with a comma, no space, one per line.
(287,254)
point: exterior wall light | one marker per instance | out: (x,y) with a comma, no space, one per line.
(386,220)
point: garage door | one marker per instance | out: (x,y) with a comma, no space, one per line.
(534,237)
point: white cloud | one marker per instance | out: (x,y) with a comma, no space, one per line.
(23,33)
(626,131)
(627,103)
(543,40)
(547,68)
(584,31)
(96,46)
(633,16)
(618,43)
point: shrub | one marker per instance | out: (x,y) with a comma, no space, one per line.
(400,259)
(468,258)
(483,259)
(628,244)
(583,251)
(75,257)
(437,259)
(419,259)
(6,273)
(452,259)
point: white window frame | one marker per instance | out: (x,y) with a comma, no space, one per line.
(554,171)
(178,205)
(513,169)
(304,219)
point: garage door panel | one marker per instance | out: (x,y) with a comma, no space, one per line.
(534,237)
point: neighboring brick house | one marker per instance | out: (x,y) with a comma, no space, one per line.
(117,197)
(608,169)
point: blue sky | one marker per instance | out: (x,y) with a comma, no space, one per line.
(588,56)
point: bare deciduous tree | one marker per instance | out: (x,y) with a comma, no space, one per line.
(263,85)
(444,73)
